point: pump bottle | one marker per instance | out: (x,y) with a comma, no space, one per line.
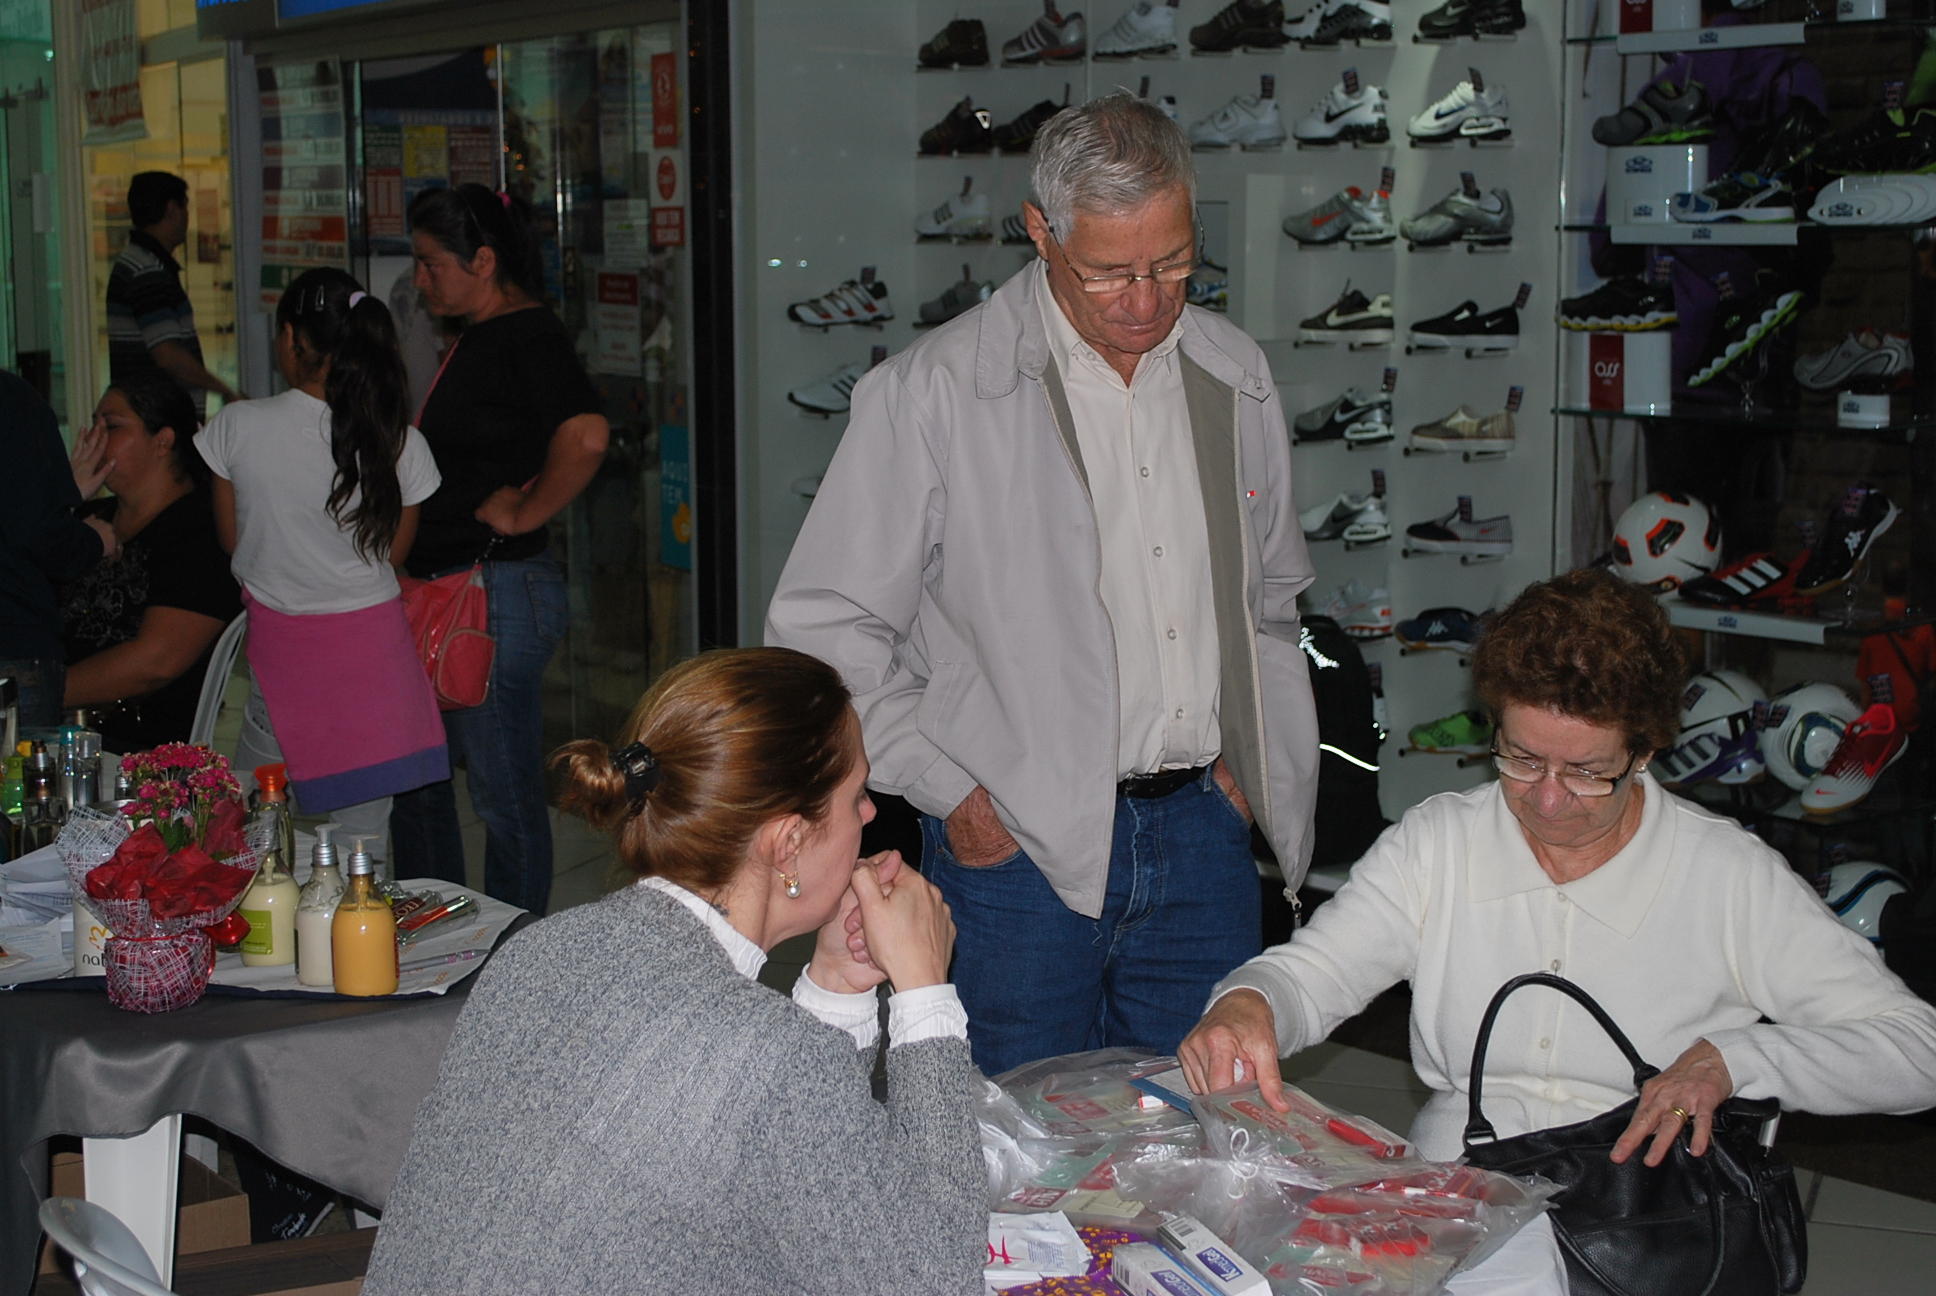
(316,911)
(363,934)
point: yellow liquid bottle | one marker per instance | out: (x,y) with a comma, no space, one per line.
(363,934)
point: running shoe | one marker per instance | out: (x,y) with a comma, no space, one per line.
(1458,532)
(1467,326)
(1342,117)
(1742,324)
(1361,611)
(1352,517)
(1451,629)
(1149,28)
(1209,287)
(964,216)
(1305,26)
(1049,39)
(1349,214)
(1352,318)
(962,43)
(851,303)
(1463,733)
(1855,523)
(1457,18)
(1891,141)
(1866,356)
(1464,113)
(1015,230)
(830,393)
(1351,20)
(1662,114)
(1463,430)
(966,129)
(1869,746)
(1242,24)
(1016,136)
(1248,121)
(1739,196)
(1485,219)
(1355,416)
(1759,576)
(1627,304)
(959,298)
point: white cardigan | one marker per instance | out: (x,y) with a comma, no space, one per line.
(1695,929)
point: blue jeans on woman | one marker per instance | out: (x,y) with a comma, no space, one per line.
(500,744)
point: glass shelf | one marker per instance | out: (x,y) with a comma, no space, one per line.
(1778,626)
(1725,234)
(1747,35)
(1901,429)
(1773,800)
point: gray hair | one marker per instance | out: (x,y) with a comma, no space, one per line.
(1112,155)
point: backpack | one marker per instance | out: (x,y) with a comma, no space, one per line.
(1348,819)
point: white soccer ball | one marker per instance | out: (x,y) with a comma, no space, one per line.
(1665,539)
(1718,739)
(1801,730)
(1857,891)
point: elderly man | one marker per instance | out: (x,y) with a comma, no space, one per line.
(1056,559)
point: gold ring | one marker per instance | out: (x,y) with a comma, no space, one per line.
(1680,1112)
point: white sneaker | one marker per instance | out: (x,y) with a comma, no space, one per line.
(1454,534)
(1305,25)
(829,393)
(1370,525)
(1371,220)
(1248,121)
(851,303)
(1361,611)
(957,218)
(1341,118)
(1148,28)
(1465,113)
(1355,516)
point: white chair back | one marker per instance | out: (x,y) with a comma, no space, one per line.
(216,682)
(108,1258)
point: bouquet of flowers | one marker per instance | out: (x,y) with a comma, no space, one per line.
(157,873)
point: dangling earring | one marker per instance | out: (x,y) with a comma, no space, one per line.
(792,885)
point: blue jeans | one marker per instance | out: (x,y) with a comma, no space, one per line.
(1039,979)
(500,744)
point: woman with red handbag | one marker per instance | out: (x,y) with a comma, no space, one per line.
(516,428)
(317,492)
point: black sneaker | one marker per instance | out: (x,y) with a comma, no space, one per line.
(1457,18)
(1892,142)
(1628,304)
(1353,22)
(1862,514)
(1789,146)
(1242,24)
(1016,136)
(1466,326)
(1741,325)
(1356,415)
(965,129)
(962,43)
(1353,318)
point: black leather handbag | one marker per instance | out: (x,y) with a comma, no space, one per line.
(1727,1223)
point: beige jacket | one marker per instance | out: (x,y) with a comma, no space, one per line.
(950,564)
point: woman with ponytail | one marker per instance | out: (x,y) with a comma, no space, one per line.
(623,1105)
(316,496)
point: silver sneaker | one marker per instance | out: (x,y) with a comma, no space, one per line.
(1487,218)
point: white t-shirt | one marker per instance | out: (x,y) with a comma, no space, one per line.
(290,554)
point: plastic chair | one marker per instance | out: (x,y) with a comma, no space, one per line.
(216,682)
(108,1259)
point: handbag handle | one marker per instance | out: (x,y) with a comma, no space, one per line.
(1477,1127)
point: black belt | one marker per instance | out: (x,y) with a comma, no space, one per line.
(1159,784)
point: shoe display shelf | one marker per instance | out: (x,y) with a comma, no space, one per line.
(1897,819)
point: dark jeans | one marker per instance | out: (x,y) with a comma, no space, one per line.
(500,745)
(1039,979)
(40,681)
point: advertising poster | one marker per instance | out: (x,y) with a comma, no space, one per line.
(616,337)
(111,72)
(305,202)
(427,122)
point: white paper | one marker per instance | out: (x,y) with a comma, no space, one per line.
(1028,1248)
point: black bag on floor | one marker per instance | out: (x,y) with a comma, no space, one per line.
(1727,1223)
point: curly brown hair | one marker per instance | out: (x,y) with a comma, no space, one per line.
(1587,645)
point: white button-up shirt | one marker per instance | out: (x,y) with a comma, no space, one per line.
(1142,468)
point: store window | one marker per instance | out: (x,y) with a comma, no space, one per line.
(31,343)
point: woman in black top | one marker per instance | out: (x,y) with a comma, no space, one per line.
(138,630)
(516,429)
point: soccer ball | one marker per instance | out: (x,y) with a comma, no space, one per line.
(1801,729)
(1665,539)
(1857,891)
(1718,739)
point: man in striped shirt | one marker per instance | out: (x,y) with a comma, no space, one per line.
(151,325)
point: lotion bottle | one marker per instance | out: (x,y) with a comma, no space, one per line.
(316,912)
(363,934)
(270,904)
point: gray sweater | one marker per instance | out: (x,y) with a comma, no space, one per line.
(620,1110)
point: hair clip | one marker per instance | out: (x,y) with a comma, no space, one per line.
(640,768)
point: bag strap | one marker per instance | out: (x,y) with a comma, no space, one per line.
(449,351)
(1477,1128)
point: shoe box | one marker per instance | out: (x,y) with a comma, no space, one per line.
(212,1213)
(1627,372)
(1642,180)
(1659,15)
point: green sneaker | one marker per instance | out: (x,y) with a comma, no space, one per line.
(1465,733)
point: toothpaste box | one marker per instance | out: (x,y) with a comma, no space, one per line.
(1212,1261)
(1144,1270)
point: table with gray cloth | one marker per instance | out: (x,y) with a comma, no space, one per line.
(328,1087)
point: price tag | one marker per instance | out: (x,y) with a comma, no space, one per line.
(1514,395)
(1350,81)
(1525,295)
(1390,383)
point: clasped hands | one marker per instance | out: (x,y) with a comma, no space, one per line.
(892,925)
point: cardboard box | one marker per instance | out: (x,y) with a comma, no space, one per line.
(211,1213)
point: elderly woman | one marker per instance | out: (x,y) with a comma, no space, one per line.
(1699,940)
(623,1107)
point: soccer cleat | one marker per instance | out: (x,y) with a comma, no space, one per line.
(851,303)
(1738,196)
(1148,28)
(960,217)
(829,393)
(961,296)
(1464,113)
(1350,20)
(1049,39)
(1741,325)
(1458,532)
(1857,521)
(1758,577)
(1449,629)
(1463,733)
(962,43)
(1628,304)
(1352,318)
(1345,118)
(1466,326)
(1662,114)
(1352,517)
(1457,18)
(1248,121)
(1361,611)
(1349,214)
(1869,746)
(1016,136)
(1354,416)
(1864,357)
(1242,24)
(1459,216)
(965,129)
(1463,430)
